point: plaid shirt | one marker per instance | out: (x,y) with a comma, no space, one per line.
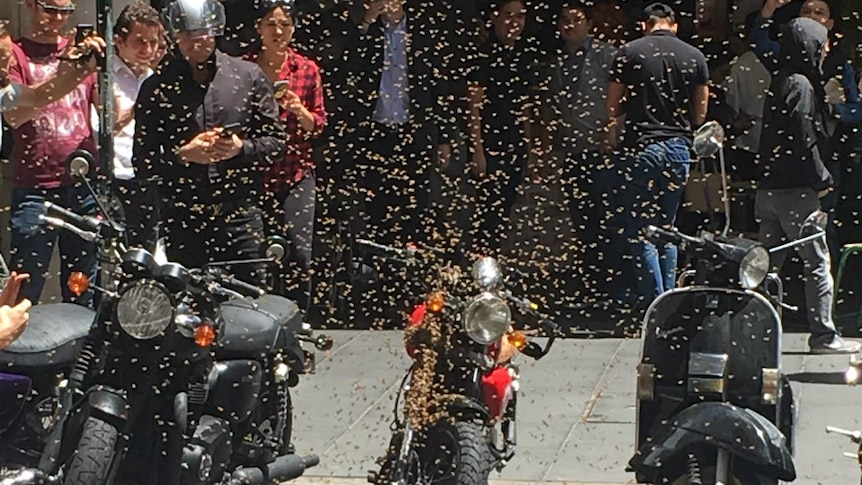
(303,77)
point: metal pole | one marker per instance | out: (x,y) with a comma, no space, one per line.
(104,25)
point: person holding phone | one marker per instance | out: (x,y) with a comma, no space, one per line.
(43,138)
(14,314)
(208,126)
(290,182)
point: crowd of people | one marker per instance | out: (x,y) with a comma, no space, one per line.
(362,117)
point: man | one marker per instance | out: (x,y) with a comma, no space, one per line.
(138,35)
(664,81)
(402,114)
(845,108)
(44,137)
(212,177)
(575,115)
(795,171)
(13,316)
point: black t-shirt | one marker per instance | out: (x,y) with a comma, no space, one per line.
(661,73)
(505,74)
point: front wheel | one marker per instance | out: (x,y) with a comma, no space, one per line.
(456,453)
(91,461)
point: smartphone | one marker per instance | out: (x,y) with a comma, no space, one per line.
(82,31)
(280,87)
(232,129)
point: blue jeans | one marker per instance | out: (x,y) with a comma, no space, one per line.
(656,183)
(33,245)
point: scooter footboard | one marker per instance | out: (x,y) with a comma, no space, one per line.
(739,431)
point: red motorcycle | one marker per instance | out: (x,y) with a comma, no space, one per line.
(460,394)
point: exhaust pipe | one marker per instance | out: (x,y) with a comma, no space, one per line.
(26,476)
(284,468)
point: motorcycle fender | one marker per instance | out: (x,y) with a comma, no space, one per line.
(739,431)
(109,406)
(236,391)
(468,408)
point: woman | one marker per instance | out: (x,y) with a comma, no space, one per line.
(499,125)
(299,92)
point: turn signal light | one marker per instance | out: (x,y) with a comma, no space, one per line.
(205,335)
(78,283)
(518,339)
(436,301)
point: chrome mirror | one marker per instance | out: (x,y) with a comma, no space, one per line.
(487,272)
(708,139)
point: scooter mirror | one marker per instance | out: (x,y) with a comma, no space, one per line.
(708,139)
(160,253)
(815,223)
(80,162)
(274,248)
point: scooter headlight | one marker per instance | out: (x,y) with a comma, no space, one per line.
(145,310)
(754,267)
(486,319)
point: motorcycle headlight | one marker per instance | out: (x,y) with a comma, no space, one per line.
(486,319)
(754,267)
(145,310)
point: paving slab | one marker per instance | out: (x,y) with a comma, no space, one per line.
(576,411)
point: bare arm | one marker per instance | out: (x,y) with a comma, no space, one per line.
(34,98)
(476,93)
(701,101)
(613,104)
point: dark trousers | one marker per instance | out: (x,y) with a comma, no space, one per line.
(496,193)
(140,212)
(33,242)
(201,234)
(396,166)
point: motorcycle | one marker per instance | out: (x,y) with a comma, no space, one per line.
(855,437)
(460,394)
(184,376)
(713,406)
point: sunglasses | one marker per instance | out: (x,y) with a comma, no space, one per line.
(56,9)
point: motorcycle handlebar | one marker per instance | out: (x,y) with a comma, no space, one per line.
(89,223)
(672,236)
(386,251)
(242,287)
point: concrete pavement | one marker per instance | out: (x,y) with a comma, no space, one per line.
(576,411)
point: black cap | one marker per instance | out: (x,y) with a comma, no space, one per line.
(660,10)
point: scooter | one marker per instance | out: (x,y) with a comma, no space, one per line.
(713,406)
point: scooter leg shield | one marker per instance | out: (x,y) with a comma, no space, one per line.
(739,431)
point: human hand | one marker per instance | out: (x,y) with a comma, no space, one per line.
(9,295)
(87,52)
(13,321)
(771,6)
(200,148)
(834,91)
(291,101)
(373,9)
(444,154)
(609,143)
(480,163)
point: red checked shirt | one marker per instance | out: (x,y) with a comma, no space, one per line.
(303,77)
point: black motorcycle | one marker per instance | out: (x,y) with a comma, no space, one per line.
(460,394)
(183,379)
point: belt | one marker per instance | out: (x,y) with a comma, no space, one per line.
(220,208)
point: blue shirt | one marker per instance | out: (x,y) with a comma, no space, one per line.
(393,104)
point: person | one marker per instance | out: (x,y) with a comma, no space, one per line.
(795,173)
(138,35)
(499,123)
(44,137)
(208,126)
(403,115)
(574,114)
(664,81)
(291,181)
(14,314)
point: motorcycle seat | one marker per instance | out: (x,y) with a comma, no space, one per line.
(252,327)
(52,337)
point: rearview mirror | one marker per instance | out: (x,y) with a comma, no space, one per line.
(815,223)
(708,139)
(80,162)
(274,248)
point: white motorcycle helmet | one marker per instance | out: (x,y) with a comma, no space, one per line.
(197,17)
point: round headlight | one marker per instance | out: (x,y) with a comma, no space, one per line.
(754,267)
(145,310)
(486,319)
